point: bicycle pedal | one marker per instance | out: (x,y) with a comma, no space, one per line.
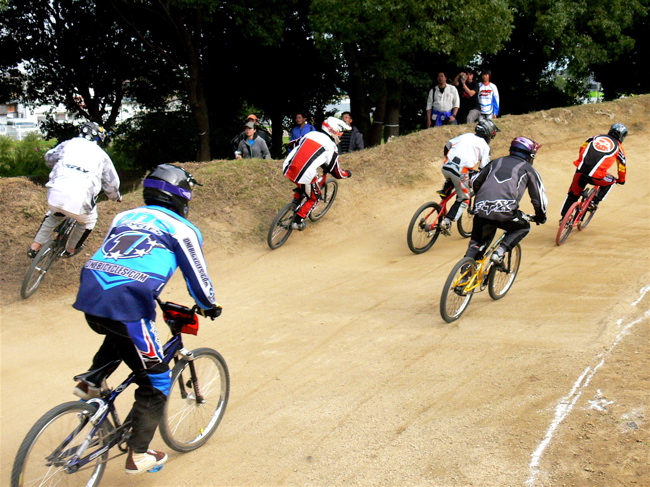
(155,469)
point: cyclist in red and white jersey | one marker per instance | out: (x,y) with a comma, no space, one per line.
(317,148)
(596,156)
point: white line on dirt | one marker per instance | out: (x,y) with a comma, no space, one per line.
(567,403)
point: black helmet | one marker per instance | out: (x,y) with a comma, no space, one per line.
(618,131)
(486,129)
(93,132)
(169,186)
(524,147)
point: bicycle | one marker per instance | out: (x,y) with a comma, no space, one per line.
(70,444)
(280,229)
(48,254)
(578,215)
(424,228)
(470,276)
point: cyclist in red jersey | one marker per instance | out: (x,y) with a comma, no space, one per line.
(318,148)
(596,156)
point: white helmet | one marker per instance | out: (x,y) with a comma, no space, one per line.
(335,127)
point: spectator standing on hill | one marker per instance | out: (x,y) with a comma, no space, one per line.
(443,103)
(252,146)
(351,140)
(261,132)
(488,96)
(80,170)
(301,128)
(468,88)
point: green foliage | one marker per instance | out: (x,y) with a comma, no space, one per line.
(24,157)
(153,138)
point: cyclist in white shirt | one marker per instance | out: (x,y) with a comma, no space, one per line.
(80,170)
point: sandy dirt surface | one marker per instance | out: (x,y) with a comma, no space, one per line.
(343,372)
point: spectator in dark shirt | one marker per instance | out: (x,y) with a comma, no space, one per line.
(351,140)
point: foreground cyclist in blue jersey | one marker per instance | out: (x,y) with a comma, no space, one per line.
(118,291)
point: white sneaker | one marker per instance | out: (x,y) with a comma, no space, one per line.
(141,462)
(445,227)
(85,391)
(497,258)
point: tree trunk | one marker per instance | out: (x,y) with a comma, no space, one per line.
(391,118)
(378,121)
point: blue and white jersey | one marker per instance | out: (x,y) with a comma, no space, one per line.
(139,255)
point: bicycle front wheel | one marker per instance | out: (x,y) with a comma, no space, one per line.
(44,259)
(501,278)
(196,403)
(423,229)
(586,218)
(567,223)
(44,455)
(466,220)
(281,227)
(455,296)
(329,192)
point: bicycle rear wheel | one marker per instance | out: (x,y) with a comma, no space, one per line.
(187,424)
(53,441)
(46,256)
(466,220)
(455,297)
(501,278)
(423,229)
(281,227)
(329,192)
(566,225)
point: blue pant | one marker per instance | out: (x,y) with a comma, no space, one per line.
(136,343)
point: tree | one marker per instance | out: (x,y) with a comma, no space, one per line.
(69,52)
(379,39)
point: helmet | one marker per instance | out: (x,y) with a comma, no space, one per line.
(618,131)
(487,130)
(524,147)
(169,186)
(334,127)
(93,132)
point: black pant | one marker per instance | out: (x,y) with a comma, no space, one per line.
(484,230)
(149,402)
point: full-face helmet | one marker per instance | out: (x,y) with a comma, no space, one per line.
(618,131)
(486,129)
(93,132)
(525,148)
(334,127)
(169,186)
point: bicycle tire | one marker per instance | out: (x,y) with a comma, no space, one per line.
(500,280)
(281,227)
(586,218)
(329,192)
(40,265)
(566,225)
(454,300)
(46,436)
(466,221)
(418,237)
(187,425)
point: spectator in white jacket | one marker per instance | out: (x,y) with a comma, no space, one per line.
(80,170)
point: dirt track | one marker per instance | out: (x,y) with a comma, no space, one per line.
(343,372)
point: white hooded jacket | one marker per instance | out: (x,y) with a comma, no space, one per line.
(80,170)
